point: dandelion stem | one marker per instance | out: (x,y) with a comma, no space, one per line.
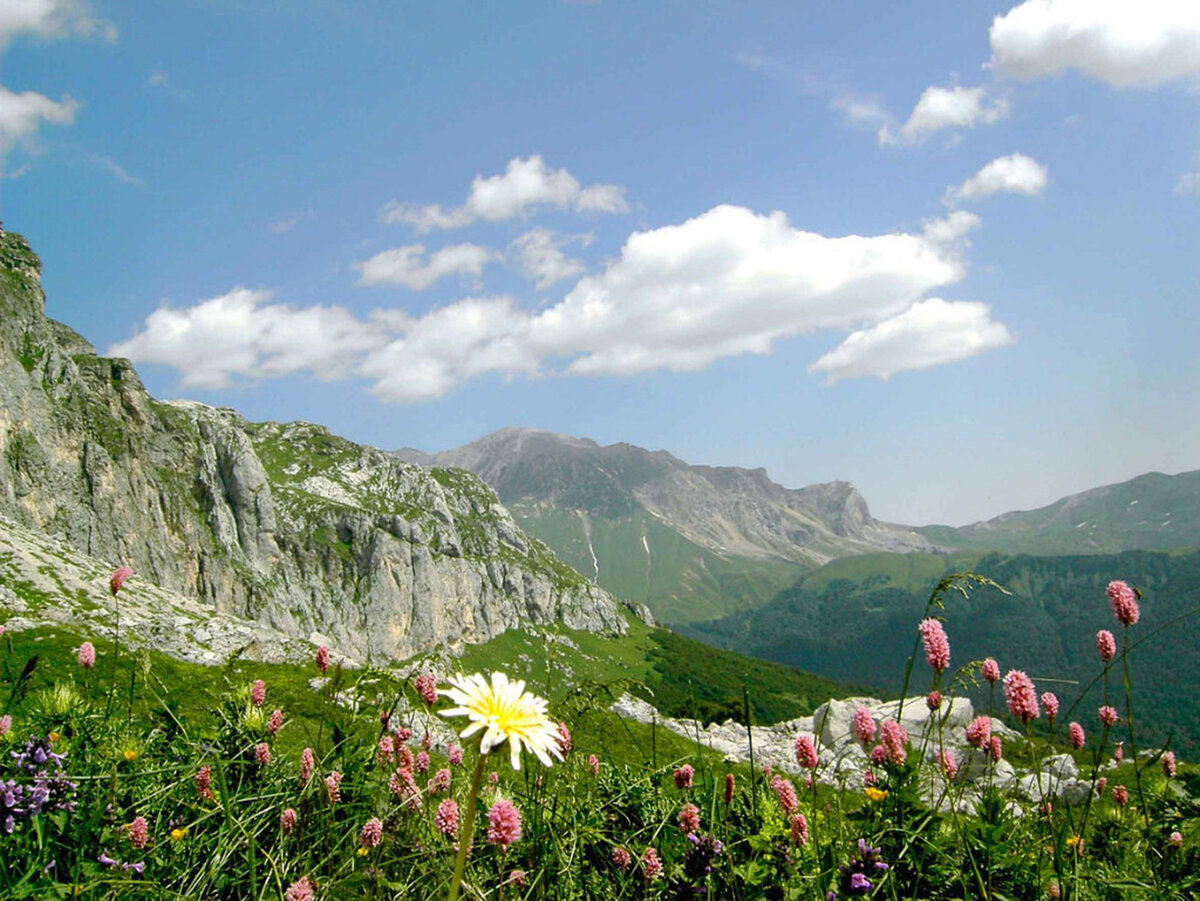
(466,832)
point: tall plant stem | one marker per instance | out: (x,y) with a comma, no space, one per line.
(468,829)
(1137,769)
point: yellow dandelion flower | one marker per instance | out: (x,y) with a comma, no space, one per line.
(506,712)
(178,833)
(131,754)
(876,794)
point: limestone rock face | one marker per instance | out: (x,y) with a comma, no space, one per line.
(284,525)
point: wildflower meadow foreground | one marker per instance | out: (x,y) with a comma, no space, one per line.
(470,786)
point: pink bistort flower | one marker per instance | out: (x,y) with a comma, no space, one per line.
(937,645)
(1119,748)
(1124,603)
(799,830)
(204,783)
(594,764)
(287,821)
(683,776)
(1076,733)
(864,725)
(621,858)
(119,577)
(1106,645)
(949,765)
(323,658)
(275,723)
(878,755)
(333,785)
(421,762)
(445,819)
(564,738)
(689,818)
(785,792)
(372,833)
(651,864)
(258,693)
(991,670)
(138,832)
(1020,695)
(1168,764)
(997,748)
(307,763)
(5,724)
(1121,795)
(262,753)
(933,700)
(404,787)
(426,686)
(504,824)
(729,786)
(1101,785)
(806,752)
(1108,715)
(1175,840)
(979,732)
(87,655)
(454,754)
(440,781)
(300,890)
(893,738)
(1050,702)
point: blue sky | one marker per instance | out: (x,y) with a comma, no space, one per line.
(944,251)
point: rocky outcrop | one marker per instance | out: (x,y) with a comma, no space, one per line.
(284,525)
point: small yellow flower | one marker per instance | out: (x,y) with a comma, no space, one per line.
(131,754)
(54,736)
(1072,841)
(876,794)
(178,833)
(362,852)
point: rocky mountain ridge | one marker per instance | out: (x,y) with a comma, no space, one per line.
(285,525)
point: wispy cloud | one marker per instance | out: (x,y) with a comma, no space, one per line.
(281,226)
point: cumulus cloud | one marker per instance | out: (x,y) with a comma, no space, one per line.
(929,333)
(240,334)
(51,19)
(729,281)
(22,114)
(1124,44)
(1012,174)
(939,108)
(407,267)
(526,184)
(540,256)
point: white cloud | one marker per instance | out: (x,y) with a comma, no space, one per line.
(939,108)
(51,19)
(539,253)
(157,80)
(1188,183)
(281,226)
(680,297)
(861,110)
(929,333)
(237,335)
(1012,174)
(22,114)
(526,184)
(1122,43)
(407,266)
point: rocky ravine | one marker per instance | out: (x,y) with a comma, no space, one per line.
(284,525)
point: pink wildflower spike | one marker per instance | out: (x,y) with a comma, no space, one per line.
(421,763)
(949,765)
(5,724)
(440,781)
(1108,715)
(1118,748)
(863,725)
(1124,603)
(307,764)
(991,670)
(454,754)
(1169,766)
(594,764)
(1050,702)
(262,753)
(323,658)
(385,717)
(933,700)
(806,752)
(621,858)
(1121,795)
(275,723)
(564,738)
(1020,695)
(893,738)
(258,693)
(504,824)
(799,830)
(869,778)
(372,833)
(204,783)
(517,878)
(683,777)
(937,645)
(138,832)
(689,819)
(300,890)
(426,741)
(287,821)
(404,787)
(404,757)
(785,792)
(1175,840)
(493,778)
(878,755)
(651,864)
(729,786)
(1053,890)
(87,655)
(445,820)
(997,749)
(384,752)
(118,579)
(1078,738)
(333,785)
(979,732)
(1101,785)
(403,734)
(1106,645)
(426,686)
